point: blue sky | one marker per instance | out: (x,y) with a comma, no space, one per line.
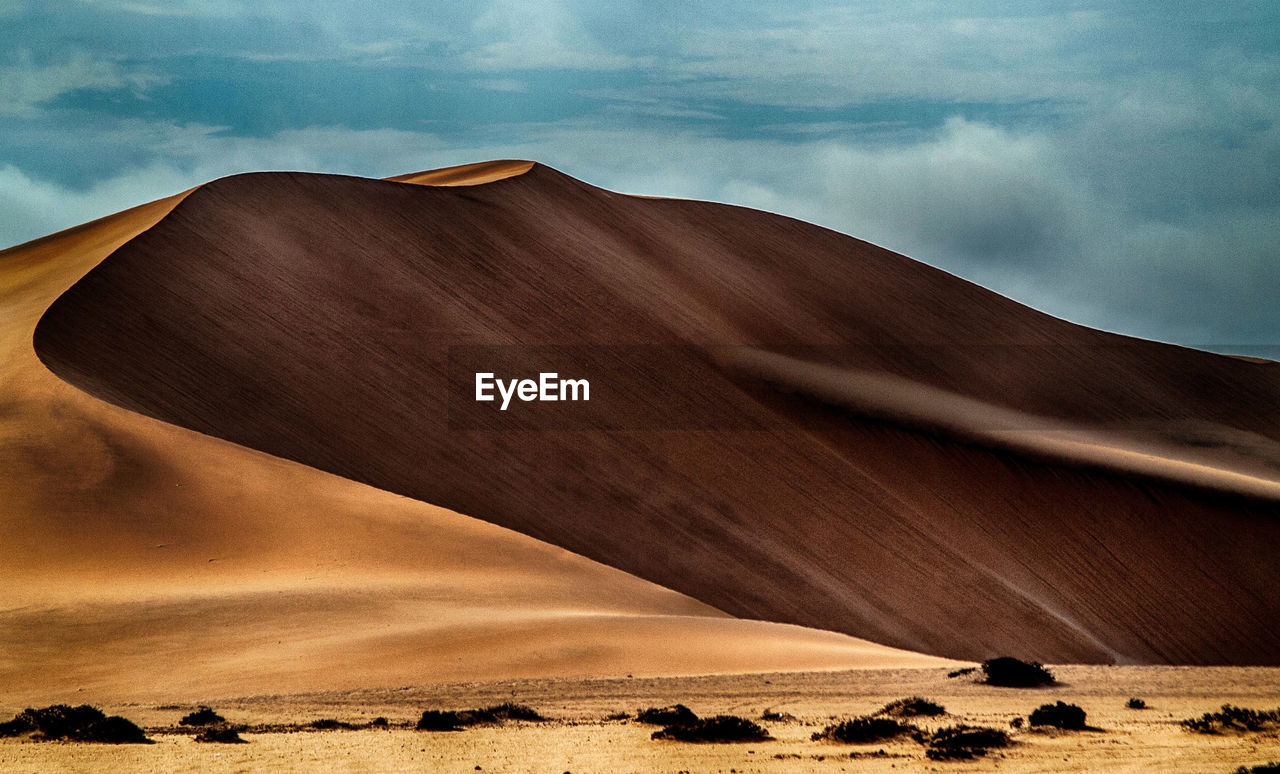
(1117,164)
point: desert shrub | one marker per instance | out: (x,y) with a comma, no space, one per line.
(21,724)
(1262,768)
(1014,673)
(435,720)
(777,717)
(1059,715)
(507,711)
(721,728)
(81,724)
(204,716)
(15,727)
(220,735)
(618,716)
(865,730)
(676,714)
(962,672)
(379,722)
(1232,718)
(1136,704)
(911,707)
(329,724)
(113,729)
(962,742)
(1016,723)
(57,721)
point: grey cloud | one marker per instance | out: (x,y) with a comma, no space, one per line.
(1124,172)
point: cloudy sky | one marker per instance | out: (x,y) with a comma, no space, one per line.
(1117,163)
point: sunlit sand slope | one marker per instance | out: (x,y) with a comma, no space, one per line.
(143,560)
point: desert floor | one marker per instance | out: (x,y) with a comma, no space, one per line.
(579,739)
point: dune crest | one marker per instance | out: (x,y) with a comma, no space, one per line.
(312,317)
(478,173)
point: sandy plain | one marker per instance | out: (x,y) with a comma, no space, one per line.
(579,739)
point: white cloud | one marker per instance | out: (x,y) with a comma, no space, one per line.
(24,85)
(190,156)
(532,34)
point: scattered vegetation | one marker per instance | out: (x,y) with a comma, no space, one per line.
(1262,768)
(962,672)
(220,735)
(618,716)
(1232,718)
(962,743)
(912,707)
(675,715)
(777,717)
(1059,715)
(1136,704)
(865,730)
(448,720)
(506,711)
(721,728)
(112,729)
(78,724)
(1015,673)
(437,720)
(329,724)
(204,716)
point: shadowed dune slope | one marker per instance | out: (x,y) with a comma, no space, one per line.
(144,561)
(930,465)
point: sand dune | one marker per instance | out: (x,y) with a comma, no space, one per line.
(144,561)
(314,318)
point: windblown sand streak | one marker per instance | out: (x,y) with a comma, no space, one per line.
(920,406)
